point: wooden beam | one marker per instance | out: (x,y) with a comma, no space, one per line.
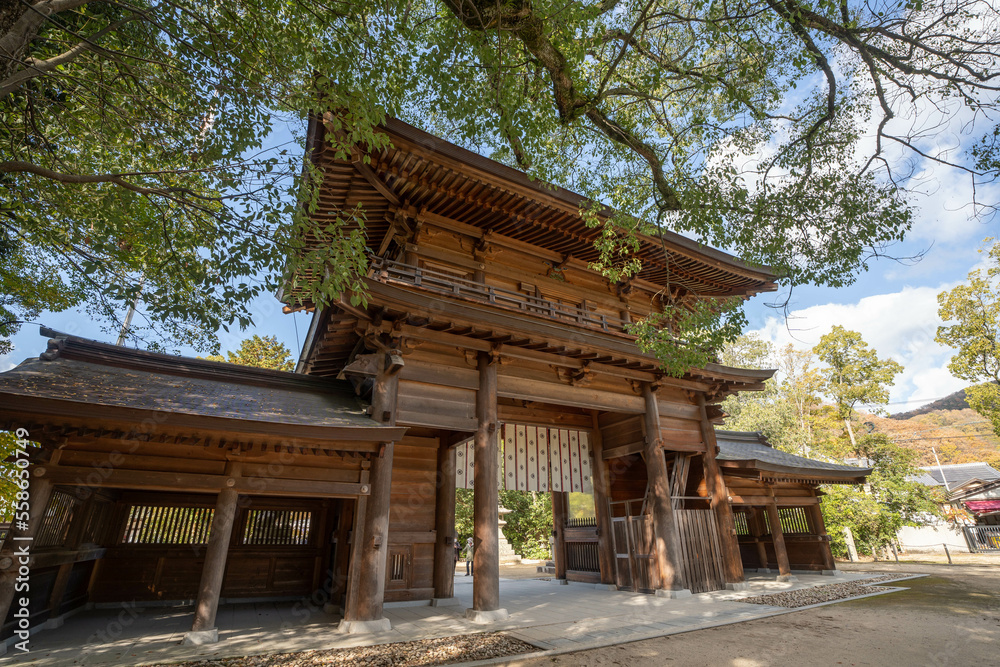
(369,175)
(780,501)
(624,450)
(120,478)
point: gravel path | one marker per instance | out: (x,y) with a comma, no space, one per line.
(441,651)
(818,594)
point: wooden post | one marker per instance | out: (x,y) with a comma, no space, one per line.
(602,491)
(819,529)
(486,516)
(365,615)
(20,537)
(732,562)
(778,539)
(666,541)
(444,525)
(559,512)
(74,538)
(203,630)
(756,522)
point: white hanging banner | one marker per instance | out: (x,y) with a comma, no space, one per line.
(464,465)
(533,458)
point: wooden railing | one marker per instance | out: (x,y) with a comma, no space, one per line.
(389,272)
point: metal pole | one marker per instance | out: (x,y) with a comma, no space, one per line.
(947,553)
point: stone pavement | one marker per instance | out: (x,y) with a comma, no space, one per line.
(544,614)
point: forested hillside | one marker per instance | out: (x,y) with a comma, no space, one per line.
(959,436)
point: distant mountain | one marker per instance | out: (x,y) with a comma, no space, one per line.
(955,401)
(956,432)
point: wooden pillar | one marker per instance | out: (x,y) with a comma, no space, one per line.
(756,521)
(731,561)
(819,529)
(74,538)
(778,539)
(444,525)
(203,630)
(559,513)
(602,491)
(365,614)
(666,541)
(486,516)
(20,537)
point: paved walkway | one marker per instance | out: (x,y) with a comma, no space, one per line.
(542,613)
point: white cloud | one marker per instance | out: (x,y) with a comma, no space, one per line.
(900,325)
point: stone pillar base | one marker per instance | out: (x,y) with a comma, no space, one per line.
(675,594)
(364,627)
(561,582)
(483,617)
(54,623)
(445,602)
(199,637)
(738,586)
(606,587)
(787,577)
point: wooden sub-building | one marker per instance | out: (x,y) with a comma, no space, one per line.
(489,353)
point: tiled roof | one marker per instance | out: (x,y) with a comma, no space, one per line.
(97,374)
(958,474)
(753,447)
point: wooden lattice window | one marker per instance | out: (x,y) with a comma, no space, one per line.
(397,567)
(56,521)
(793,520)
(164,524)
(278,527)
(742,524)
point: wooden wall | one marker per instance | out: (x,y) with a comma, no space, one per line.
(172,572)
(411,517)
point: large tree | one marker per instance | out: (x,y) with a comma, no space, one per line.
(261,352)
(887,503)
(854,374)
(774,128)
(975,309)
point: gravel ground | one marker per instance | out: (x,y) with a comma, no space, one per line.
(442,651)
(808,596)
